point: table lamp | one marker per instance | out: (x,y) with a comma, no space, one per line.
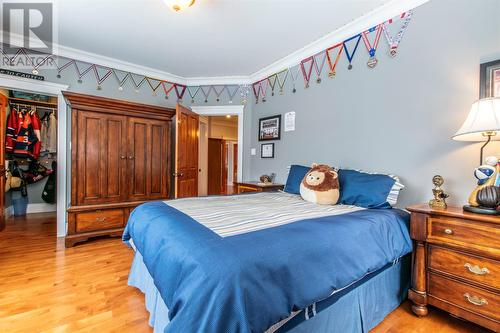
(483,124)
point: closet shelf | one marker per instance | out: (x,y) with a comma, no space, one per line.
(31,102)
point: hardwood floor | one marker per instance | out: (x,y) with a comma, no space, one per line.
(45,287)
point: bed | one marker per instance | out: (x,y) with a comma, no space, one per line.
(267,262)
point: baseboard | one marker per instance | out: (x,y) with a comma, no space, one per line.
(41,208)
(8,211)
(32,208)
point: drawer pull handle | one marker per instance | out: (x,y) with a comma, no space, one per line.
(476,269)
(475,300)
(100,219)
(448,231)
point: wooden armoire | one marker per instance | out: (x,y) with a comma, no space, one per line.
(120,158)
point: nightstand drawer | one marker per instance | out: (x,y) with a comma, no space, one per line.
(465,296)
(246,189)
(463,232)
(100,220)
(472,268)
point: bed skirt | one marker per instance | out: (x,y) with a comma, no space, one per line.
(358,308)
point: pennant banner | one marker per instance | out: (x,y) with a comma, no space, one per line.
(63,67)
(41,63)
(306,73)
(256,91)
(232,94)
(244,91)
(191,94)
(319,68)
(153,86)
(263,89)
(137,85)
(206,93)
(218,92)
(85,71)
(331,55)
(394,42)
(350,56)
(372,48)
(100,79)
(122,81)
(272,82)
(294,74)
(166,89)
(333,65)
(282,79)
(181,93)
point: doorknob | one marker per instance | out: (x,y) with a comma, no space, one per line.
(131,157)
(123,157)
(178,174)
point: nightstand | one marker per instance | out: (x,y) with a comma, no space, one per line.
(456,264)
(242,187)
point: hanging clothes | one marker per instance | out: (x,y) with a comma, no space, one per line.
(37,145)
(21,136)
(49,191)
(51,134)
(11,132)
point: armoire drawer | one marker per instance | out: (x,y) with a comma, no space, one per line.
(100,220)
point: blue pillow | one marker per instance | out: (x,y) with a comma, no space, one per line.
(295,176)
(364,189)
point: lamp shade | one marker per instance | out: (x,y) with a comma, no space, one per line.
(484,117)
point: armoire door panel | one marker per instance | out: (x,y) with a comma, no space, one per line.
(148,158)
(91,158)
(101,168)
(158,149)
(113,157)
(137,156)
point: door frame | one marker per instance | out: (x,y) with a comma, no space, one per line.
(63,172)
(204,167)
(222,110)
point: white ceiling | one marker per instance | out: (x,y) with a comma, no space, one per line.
(212,38)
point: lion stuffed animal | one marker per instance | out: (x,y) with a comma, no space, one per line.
(320,185)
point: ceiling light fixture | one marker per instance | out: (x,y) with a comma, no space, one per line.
(178,5)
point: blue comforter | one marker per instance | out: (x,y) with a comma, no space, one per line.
(248,282)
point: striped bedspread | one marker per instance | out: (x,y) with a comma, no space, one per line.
(233,215)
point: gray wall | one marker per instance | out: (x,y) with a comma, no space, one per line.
(399,117)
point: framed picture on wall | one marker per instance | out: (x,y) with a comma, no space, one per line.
(267,150)
(489,79)
(270,128)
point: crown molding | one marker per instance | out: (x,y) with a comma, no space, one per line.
(380,14)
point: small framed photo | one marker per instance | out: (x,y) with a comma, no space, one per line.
(270,128)
(489,78)
(267,150)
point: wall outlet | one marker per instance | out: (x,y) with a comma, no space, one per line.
(253,151)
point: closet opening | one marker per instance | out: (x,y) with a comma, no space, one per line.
(28,157)
(218,155)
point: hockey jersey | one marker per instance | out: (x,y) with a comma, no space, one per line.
(23,134)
